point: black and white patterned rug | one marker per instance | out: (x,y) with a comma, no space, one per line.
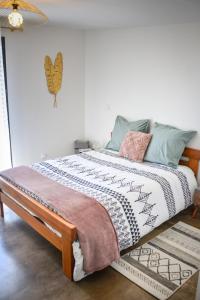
(165,263)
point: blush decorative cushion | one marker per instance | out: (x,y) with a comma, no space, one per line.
(135,145)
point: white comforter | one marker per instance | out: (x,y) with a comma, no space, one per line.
(137,196)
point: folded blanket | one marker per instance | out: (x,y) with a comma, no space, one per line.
(95,230)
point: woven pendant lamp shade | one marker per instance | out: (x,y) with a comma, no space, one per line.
(30,14)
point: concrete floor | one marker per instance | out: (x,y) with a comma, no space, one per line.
(30,269)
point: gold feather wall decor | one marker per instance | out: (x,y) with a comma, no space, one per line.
(54,74)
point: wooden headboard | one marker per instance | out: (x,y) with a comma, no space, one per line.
(191,158)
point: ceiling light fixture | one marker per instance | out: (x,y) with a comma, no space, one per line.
(15,18)
(14,13)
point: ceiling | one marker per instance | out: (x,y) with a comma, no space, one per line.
(93,14)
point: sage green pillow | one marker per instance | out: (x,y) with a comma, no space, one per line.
(122,126)
(167,144)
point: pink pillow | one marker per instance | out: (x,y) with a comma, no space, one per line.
(135,145)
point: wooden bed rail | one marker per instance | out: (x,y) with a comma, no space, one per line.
(15,199)
(191,158)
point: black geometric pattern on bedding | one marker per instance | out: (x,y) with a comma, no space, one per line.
(180,175)
(183,180)
(167,191)
(114,180)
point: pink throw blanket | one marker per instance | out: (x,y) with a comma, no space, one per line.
(95,230)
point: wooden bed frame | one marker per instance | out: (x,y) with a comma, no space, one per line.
(68,231)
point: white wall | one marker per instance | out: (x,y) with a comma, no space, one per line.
(37,127)
(149,72)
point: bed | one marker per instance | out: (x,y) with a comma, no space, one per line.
(105,170)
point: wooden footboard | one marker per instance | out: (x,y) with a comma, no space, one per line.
(15,199)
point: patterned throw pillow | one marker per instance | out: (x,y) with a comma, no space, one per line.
(135,145)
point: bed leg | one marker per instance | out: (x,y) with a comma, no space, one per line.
(67,257)
(195,212)
(1,208)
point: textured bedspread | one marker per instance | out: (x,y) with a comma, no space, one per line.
(137,196)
